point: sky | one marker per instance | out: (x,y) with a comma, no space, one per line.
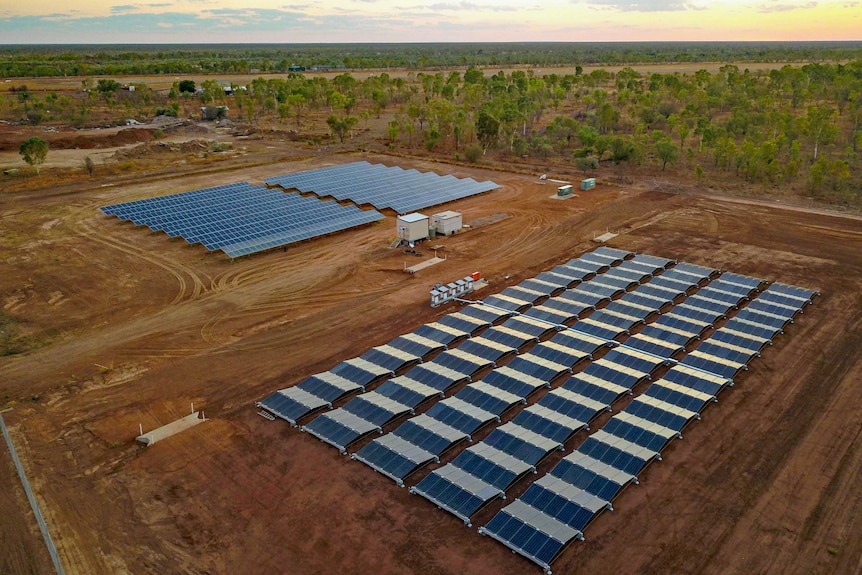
(335,21)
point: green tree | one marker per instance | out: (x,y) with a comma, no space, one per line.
(820,126)
(107,88)
(667,152)
(34,151)
(587,163)
(186,87)
(341,126)
(487,130)
(211,91)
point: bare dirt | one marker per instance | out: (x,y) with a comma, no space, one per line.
(134,326)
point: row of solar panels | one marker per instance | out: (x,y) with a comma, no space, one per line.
(464,489)
(331,428)
(555,509)
(240,219)
(382,187)
(307,397)
(514,448)
(352,421)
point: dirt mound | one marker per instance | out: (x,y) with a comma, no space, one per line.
(161,147)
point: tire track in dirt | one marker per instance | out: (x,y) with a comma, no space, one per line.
(189,289)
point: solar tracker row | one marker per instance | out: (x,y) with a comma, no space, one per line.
(630,290)
(631,439)
(241,219)
(471,481)
(381,186)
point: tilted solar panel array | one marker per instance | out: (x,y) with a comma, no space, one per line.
(381,186)
(555,509)
(241,219)
(679,333)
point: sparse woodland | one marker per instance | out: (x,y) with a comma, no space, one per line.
(796,128)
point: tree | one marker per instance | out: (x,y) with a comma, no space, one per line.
(211,91)
(667,152)
(186,87)
(587,163)
(487,130)
(34,151)
(820,126)
(107,88)
(341,126)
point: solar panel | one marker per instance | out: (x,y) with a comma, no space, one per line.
(555,508)
(382,187)
(530,533)
(240,219)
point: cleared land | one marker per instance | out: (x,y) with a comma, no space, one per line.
(141,325)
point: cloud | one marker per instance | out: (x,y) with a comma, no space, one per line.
(645,5)
(469,6)
(776,7)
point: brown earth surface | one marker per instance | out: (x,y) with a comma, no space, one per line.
(137,326)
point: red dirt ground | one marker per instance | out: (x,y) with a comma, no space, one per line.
(140,326)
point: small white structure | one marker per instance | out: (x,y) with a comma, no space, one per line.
(446,223)
(443,293)
(413,227)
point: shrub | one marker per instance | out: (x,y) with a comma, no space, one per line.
(472,153)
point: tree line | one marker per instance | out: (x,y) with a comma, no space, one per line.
(798,127)
(87,60)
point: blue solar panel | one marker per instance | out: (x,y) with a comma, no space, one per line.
(385,460)
(557,506)
(525,538)
(576,469)
(382,187)
(457,419)
(240,219)
(422,437)
(451,496)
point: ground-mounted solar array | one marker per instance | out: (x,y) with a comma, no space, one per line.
(535,366)
(241,219)
(382,187)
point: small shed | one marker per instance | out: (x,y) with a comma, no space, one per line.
(588,184)
(413,227)
(447,223)
(564,191)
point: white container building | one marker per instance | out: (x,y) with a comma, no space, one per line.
(446,223)
(413,227)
